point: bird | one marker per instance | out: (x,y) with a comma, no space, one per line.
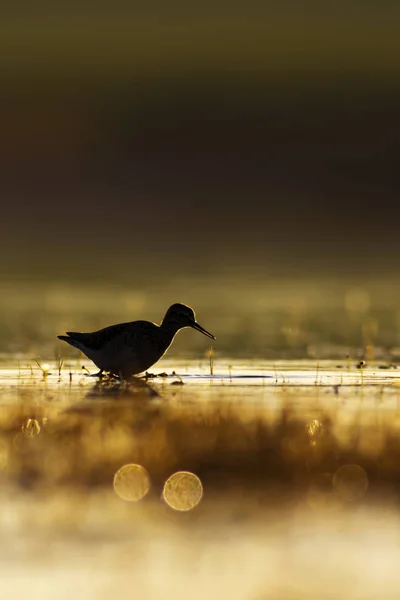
(128,349)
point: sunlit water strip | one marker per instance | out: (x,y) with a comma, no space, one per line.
(224,372)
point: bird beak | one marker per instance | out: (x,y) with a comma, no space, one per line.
(195,325)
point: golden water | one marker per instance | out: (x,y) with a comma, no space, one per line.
(267,479)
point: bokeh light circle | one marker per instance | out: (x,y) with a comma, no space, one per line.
(357,300)
(350,482)
(131,482)
(4,455)
(183,491)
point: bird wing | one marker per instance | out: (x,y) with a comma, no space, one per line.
(98,339)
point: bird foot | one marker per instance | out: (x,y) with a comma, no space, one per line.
(98,374)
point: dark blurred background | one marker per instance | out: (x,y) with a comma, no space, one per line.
(218,142)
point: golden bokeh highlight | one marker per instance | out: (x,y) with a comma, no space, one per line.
(4,455)
(31,428)
(319,496)
(183,491)
(131,482)
(357,300)
(350,482)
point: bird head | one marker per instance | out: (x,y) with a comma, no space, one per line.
(181,315)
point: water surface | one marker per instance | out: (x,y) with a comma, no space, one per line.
(287,486)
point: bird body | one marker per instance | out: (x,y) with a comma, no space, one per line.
(131,348)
